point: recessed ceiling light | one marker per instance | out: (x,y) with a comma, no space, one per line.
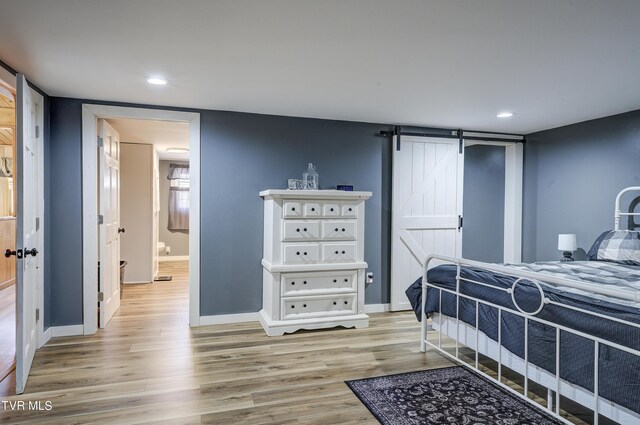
(505,115)
(157,81)
(177,150)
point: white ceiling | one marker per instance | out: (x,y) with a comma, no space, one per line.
(161,134)
(447,63)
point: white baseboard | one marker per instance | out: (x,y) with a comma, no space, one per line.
(45,337)
(70,330)
(135,282)
(162,258)
(377,308)
(223,319)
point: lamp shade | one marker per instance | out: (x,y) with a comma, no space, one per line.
(567,242)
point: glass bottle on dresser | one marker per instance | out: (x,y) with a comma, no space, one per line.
(310,178)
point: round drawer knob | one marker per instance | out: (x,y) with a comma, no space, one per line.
(297,252)
(305,253)
(346,302)
(335,303)
(304,305)
(335,281)
(304,283)
(313,209)
(343,229)
(337,252)
(293,208)
(331,210)
(343,252)
(297,230)
(293,283)
(336,229)
(350,209)
(293,306)
(346,280)
(305,229)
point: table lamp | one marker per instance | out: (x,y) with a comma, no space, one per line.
(568,244)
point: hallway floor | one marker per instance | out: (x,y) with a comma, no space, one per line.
(7,330)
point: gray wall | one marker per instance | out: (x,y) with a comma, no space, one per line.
(178,240)
(64,286)
(483,204)
(241,154)
(572,175)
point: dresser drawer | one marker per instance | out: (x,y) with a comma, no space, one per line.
(338,252)
(331,209)
(339,230)
(303,307)
(348,210)
(296,230)
(301,253)
(300,283)
(312,209)
(292,209)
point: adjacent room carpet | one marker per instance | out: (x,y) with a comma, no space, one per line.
(452,395)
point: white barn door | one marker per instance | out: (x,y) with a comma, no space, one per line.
(109,231)
(426,208)
(28,246)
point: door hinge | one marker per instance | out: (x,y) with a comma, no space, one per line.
(100,297)
(460,219)
(100,219)
(37,131)
(460,141)
(37,223)
(37,315)
(396,130)
(100,142)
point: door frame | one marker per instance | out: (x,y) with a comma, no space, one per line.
(90,115)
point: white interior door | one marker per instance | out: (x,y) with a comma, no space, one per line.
(426,206)
(28,149)
(109,230)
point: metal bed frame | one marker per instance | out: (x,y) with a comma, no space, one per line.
(465,335)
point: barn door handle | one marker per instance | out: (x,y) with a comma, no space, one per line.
(120,229)
(8,253)
(33,252)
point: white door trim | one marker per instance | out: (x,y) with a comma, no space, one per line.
(39,99)
(90,114)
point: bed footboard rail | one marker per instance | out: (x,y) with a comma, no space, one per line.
(595,402)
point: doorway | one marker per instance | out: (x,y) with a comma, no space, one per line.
(126,119)
(148,169)
(428,197)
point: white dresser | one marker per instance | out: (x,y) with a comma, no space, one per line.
(313,260)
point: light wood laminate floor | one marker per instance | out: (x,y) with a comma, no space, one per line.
(7,330)
(148,366)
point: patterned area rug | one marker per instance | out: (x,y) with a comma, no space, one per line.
(452,395)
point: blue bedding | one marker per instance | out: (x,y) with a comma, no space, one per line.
(619,371)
